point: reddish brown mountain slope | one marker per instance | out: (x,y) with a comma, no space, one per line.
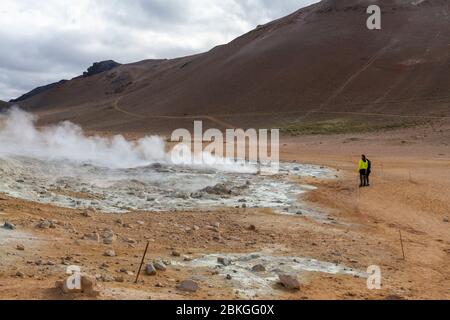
(319,60)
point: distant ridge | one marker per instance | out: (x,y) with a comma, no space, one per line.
(96,68)
(320,60)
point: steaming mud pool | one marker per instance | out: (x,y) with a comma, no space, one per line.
(157,187)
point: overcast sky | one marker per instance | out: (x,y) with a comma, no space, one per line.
(49,40)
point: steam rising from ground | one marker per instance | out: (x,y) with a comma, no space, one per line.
(66,141)
(20,137)
(62,166)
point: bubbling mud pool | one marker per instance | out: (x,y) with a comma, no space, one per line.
(249,283)
(156,187)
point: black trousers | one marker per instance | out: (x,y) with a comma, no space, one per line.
(363,177)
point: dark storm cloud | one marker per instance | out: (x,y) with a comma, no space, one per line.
(45,41)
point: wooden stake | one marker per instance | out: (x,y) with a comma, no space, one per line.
(401,242)
(142,262)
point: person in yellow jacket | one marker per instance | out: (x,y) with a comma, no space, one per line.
(363,168)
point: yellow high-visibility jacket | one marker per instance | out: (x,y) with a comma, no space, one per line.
(363,165)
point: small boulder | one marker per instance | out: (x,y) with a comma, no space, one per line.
(224,261)
(20,274)
(45,224)
(159,265)
(110,253)
(130,240)
(150,270)
(92,237)
(87,213)
(87,284)
(20,247)
(176,253)
(109,237)
(188,286)
(290,282)
(9,226)
(259,268)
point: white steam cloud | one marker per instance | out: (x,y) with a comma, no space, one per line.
(66,141)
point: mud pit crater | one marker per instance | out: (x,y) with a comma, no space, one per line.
(250,283)
(156,187)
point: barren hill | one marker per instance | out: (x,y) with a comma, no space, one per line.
(3,104)
(319,63)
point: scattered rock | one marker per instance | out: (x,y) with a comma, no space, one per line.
(159,265)
(20,274)
(229,277)
(290,282)
(150,270)
(87,283)
(92,237)
(197,195)
(224,261)
(252,228)
(119,279)
(130,240)
(106,278)
(109,237)
(446,220)
(176,253)
(9,226)
(45,224)
(110,253)
(188,286)
(259,268)
(20,247)
(88,213)
(213,228)
(219,189)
